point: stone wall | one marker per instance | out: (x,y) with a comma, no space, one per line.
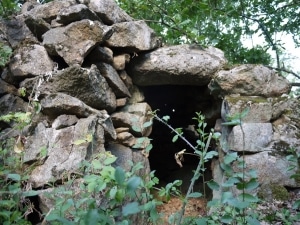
(89,66)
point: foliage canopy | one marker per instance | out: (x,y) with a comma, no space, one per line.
(223,24)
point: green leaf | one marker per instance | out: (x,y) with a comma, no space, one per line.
(113,192)
(230,182)
(226,219)
(92,217)
(79,142)
(226,196)
(68,204)
(119,175)
(147,124)
(245,112)
(252,221)
(230,157)
(109,160)
(216,135)
(232,122)
(120,195)
(30,193)
(238,204)
(201,221)
(213,185)
(296,204)
(97,164)
(148,148)
(166,118)
(14,176)
(148,206)
(251,184)
(295,176)
(210,155)
(248,197)
(37,106)
(130,208)
(213,203)
(195,195)
(133,183)
(175,138)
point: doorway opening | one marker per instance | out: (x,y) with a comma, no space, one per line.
(180,103)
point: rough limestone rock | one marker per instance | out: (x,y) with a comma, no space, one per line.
(133,116)
(287,127)
(37,26)
(24,63)
(256,109)
(63,155)
(249,80)
(63,121)
(109,11)
(271,168)
(75,13)
(75,41)
(7,88)
(176,65)
(283,105)
(100,54)
(136,95)
(120,61)
(59,103)
(127,139)
(114,80)
(85,84)
(133,37)
(254,137)
(10,103)
(127,158)
(16,31)
(50,10)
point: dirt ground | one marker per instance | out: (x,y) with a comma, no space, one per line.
(196,207)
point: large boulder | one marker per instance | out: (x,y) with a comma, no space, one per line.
(254,109)
(133,37)
(24,63)
(249,80)
(58,103)
(88,85)
(60,149)
(113,79)
(49,11)
(109,11)
(250,137)
(76,13)
(16,31)
(75,41)
(6,88)
(176,65)
(134,116)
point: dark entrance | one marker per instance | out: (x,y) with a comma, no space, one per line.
(180,103)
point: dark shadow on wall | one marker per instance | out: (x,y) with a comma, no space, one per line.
(180,103)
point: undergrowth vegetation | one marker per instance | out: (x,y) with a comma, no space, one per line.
(100,193)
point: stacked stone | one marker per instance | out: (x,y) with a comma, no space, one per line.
(71,58)
(257,96)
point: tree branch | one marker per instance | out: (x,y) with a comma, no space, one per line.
(295,84)
(282,69)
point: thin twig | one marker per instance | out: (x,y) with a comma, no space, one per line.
(285,70)
(193,180)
